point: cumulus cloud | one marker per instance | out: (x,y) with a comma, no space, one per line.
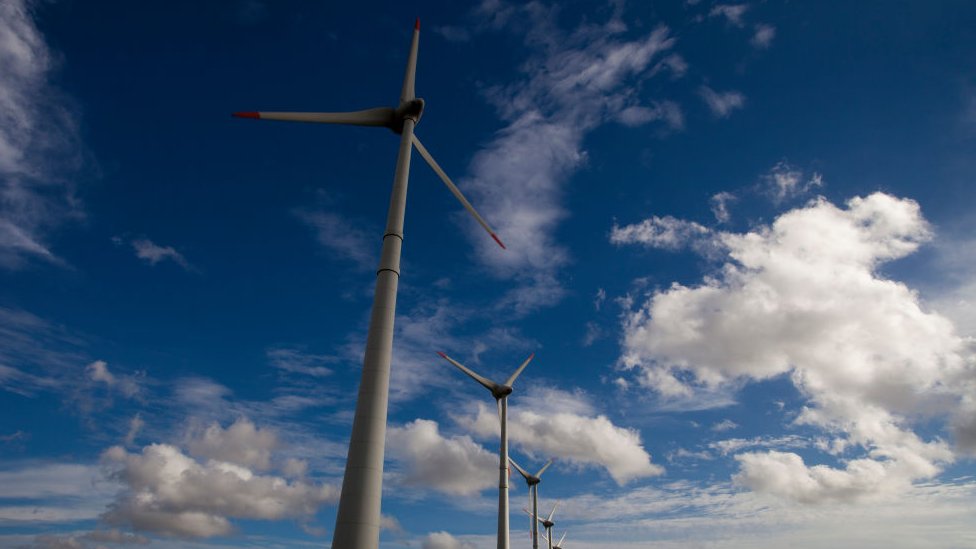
(763,36)
(443,540)
(563,424)
(803,298)
(242,443)
(170,493)
(454,465)
(577,81)
(38,142)
(722,103)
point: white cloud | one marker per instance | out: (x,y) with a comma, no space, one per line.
(564,425)
(763,37)
(785,181)
(299,362)
(638,115)
(443,540)
(99,372)
(38,139)
(722,103)
(725,425)
(731,12)
(803,299)
(50,493)
(242,443)
(576,82)
(733,445)
(599,298)
(453,465)
(170,493)
(153,253)
(342,236)
(683,514)
(720,206)
(665,233)
(135,426)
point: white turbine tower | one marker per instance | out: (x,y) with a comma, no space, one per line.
(533,482)
(358,517)
(547,523)
(500,391)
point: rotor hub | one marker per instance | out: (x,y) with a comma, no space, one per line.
(412,109)
(501,391)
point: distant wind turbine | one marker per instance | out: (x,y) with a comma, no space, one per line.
(358,517)
(533,482)
(560,544)
(500,391)
(547,523)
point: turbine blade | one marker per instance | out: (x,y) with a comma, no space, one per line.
(549,518)
(487,383)
(544,467)
(408,78)
(561,539)
(454,190)
(519,469)
(511,378)
(380,116)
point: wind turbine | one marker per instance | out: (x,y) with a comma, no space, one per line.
(547,523)
(533,482)
(358,517)
(500,391)
(560,544)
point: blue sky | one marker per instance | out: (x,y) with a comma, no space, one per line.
(739,243)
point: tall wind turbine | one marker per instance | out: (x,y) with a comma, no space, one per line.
(533,482)
(358,517)
(500,391)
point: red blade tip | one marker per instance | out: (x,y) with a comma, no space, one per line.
(416,25)
(495,236)
(247,115)
(442,354)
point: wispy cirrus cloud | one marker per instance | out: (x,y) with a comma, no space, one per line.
(341,236)
(722,104)
(763,36)
(577,81)
(38,142)
(666,233)
(153,253)
(784,181)
(733,13)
